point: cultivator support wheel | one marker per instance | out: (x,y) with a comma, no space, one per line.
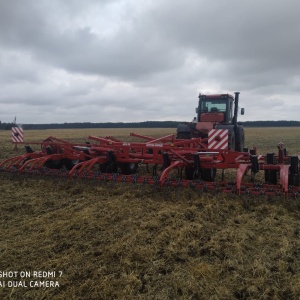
(294,171)
(271,175)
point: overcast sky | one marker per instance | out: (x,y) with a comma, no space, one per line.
(142,60)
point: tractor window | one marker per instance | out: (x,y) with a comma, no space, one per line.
(213,106)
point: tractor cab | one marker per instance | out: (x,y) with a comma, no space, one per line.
(215,109)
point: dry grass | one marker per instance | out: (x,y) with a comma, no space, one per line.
(136,242)
(267,139)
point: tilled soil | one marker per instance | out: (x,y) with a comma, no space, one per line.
(117,241)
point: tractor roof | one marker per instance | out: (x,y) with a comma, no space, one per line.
(214,96)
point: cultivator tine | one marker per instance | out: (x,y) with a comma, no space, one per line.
(223,175)
(94,177)
(242,169)
(134,179)
(192,185)
(156,183)
(284,177)
(178,188)
(104,179)
(124,179)
(197,168)
(145,181)
(246,203)
(168,186)
(154,170)
(114,177)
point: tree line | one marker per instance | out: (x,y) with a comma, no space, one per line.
(147,124)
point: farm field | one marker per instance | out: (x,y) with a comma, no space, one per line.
(117,241)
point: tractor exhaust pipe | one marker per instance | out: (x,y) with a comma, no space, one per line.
(236,108)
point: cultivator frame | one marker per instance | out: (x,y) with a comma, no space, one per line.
(174,162)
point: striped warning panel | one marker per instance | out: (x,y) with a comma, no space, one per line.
(218,139)
(17,134)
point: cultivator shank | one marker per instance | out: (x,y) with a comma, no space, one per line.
(167,162)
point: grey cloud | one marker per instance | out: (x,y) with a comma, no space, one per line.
(248,36)
(147,60)
(128,54)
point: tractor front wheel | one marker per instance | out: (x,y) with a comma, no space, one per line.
(183,136)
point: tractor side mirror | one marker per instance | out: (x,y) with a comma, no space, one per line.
(197,110)
(242,111)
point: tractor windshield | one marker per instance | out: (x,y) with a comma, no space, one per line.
(215,105)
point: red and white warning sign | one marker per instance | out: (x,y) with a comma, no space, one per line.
(218,139)
(17,134)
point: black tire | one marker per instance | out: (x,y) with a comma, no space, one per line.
(28,149)
(239,145)
(49,150)
(189,173)
(53,164)
(271,176)
(231,141)
(183,136)
(183,132)
(128,168)
(108,168)
(208,174)
(294,179)
(70,163)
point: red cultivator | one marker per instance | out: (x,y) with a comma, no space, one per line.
(168,162)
